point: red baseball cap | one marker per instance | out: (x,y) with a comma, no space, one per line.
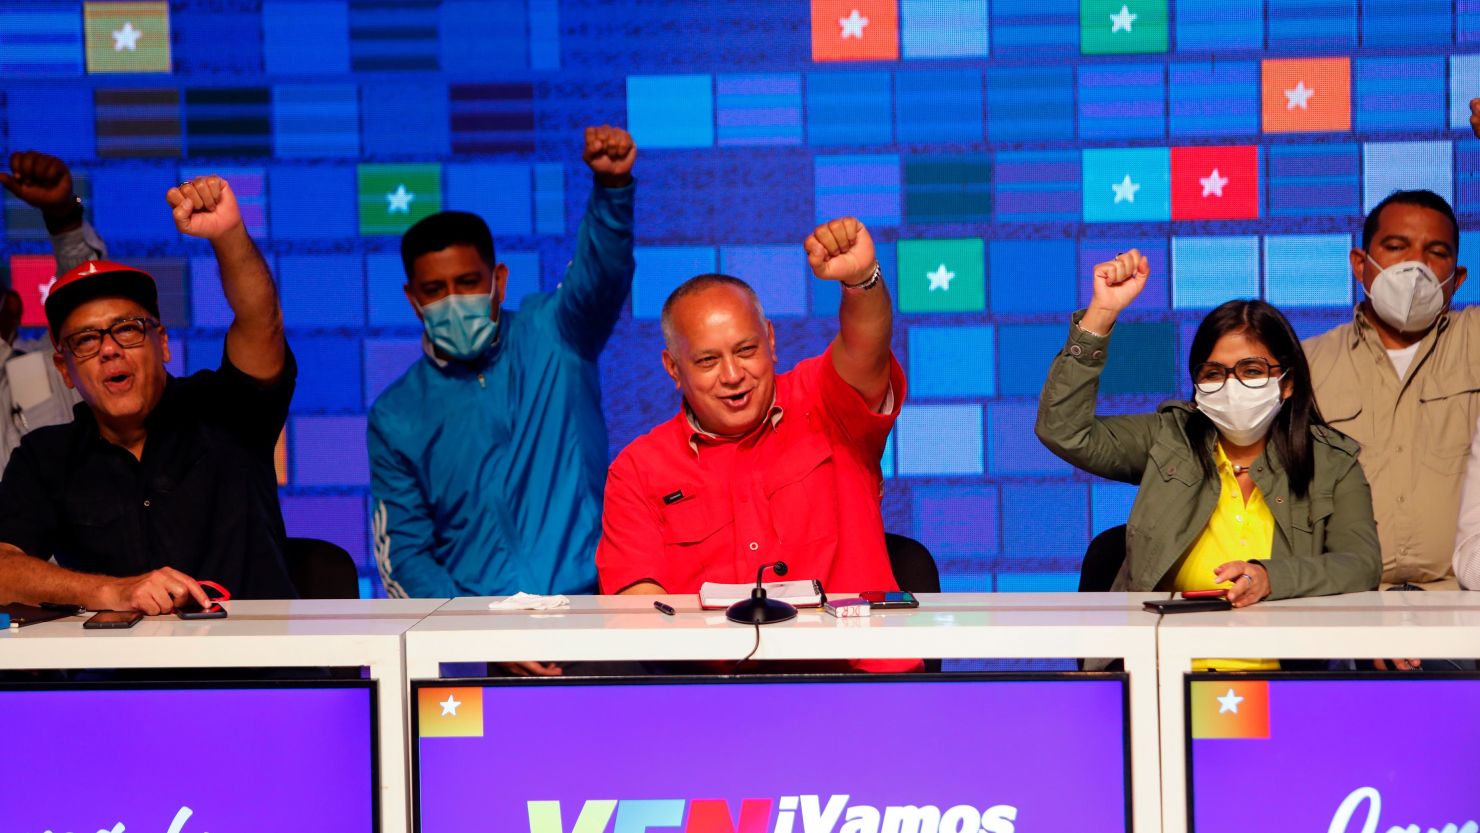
(98,279)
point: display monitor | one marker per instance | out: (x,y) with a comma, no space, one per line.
(189,758)
(827,754)
(1341,753)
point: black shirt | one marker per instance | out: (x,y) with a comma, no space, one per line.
(202,499)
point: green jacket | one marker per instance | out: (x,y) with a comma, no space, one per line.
(1324,543)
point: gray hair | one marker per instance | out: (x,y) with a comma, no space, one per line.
(695,285)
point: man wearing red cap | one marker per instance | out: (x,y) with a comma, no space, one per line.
(158,480)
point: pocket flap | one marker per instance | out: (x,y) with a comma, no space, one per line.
(693,517)
(801,459)
(1441,386)
(1173,464)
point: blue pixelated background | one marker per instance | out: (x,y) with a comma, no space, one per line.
(996,148)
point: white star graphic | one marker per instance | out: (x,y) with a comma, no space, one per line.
(1298,97)
(1228,702)
(449,706)
(126,38)
(1125,190)
(1122,21)
(399,201)
(941,278)
(853,25)
(45,289)
(1213,184)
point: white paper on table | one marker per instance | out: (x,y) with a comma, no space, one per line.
(530,601)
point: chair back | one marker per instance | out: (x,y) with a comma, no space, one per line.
(1102,560)
(321,570)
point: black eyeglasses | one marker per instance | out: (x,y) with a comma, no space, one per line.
(129,332)
(1253,372)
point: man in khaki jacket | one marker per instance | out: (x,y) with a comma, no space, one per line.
(1403,379)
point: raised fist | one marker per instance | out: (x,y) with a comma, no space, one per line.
(1119,281)
(610,154)
(39,180)
(841,250)
(204,207)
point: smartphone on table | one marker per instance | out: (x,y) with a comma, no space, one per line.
(1215,593)
(191,609)
(889,599)
(113,620)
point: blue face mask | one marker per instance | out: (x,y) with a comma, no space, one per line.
(459,325)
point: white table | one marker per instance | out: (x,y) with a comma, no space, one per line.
(257,634)
(1357,625)
(959,625)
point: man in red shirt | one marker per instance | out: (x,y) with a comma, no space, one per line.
(758,467)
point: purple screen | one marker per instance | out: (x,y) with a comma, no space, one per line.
(187,760)
(1344,755)
(790,757)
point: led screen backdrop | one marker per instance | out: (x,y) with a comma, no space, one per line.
(996,149)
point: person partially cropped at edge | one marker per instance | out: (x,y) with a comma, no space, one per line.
(759,467)
(158,481)
(488,456)
(1403,379)
(1246,487)
(32,392)
(1466,557)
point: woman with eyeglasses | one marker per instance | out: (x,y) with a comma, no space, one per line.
(1245,487)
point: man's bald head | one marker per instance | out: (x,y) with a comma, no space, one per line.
(696,286)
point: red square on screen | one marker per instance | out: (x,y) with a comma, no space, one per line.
(31,276)
(1215,183)
(855,30)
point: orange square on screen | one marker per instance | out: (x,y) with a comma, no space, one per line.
(31,276)
(1230,708)
(450,713)
(855,30)
(1307,95)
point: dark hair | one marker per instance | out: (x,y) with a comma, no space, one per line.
(447,228)
(1420,198)
(1290,433)
(697,284)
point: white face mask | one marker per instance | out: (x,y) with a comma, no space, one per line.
(1407,295)
(1243,414)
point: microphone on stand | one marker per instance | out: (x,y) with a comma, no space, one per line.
(758,609)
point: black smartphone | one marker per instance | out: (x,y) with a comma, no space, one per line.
(1187,605)
(113,619)
(889,599)
(191,610)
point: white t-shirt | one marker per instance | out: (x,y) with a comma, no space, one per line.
(1403,359)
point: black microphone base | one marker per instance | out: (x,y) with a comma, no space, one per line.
(760,612)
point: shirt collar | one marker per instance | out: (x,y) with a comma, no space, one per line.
(1364,329)
(696,433)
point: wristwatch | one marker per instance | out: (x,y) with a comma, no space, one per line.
(867,283)
(72,216)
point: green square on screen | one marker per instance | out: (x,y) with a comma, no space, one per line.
(942,275)
(1122,27)
(394,197)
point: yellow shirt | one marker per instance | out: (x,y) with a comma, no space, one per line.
(1237,531)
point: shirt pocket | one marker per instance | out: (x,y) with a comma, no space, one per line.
(1309,526)
(1446,421)
(96,525)
(801,492)
(693,519)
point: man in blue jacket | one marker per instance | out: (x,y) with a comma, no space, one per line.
(488,457)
